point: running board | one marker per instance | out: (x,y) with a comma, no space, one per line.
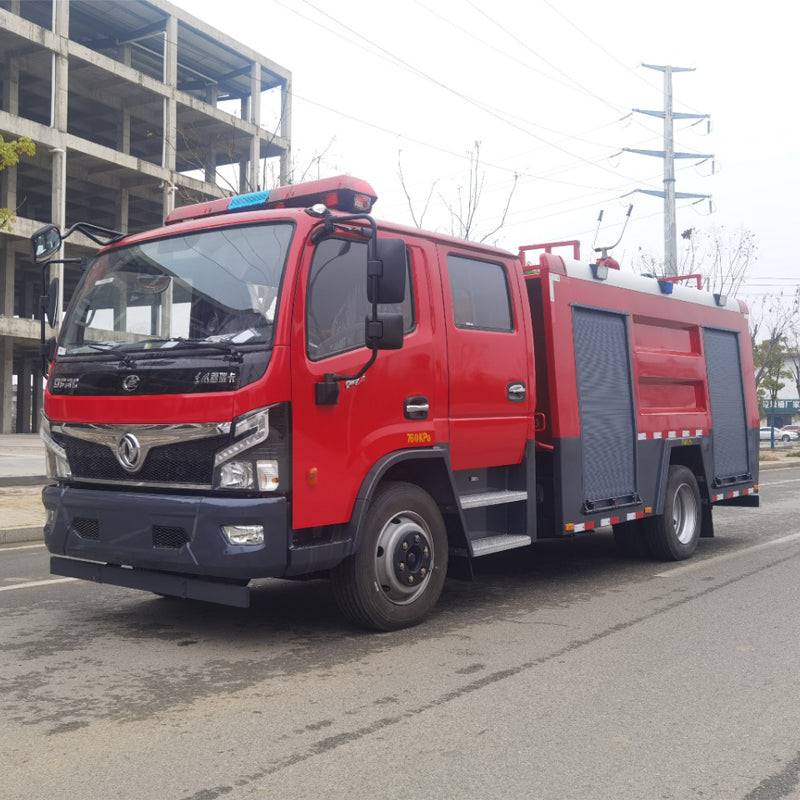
(496,544)
(491,499)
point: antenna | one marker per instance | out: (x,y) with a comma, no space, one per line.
(597,230)
(604,250)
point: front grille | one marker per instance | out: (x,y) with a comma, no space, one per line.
(184,462)
(86,528)
(169,536)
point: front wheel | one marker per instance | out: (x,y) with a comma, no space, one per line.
(786,438)
(397,576)
(673,535)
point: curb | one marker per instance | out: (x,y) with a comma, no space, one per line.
(15,535)
(23,480)
(784,463)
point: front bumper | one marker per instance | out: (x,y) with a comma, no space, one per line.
(127,528)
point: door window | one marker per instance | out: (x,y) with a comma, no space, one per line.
(480,294)
(337,299)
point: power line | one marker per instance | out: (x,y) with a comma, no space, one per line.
(438,148)
(453,24)
(380,52)
(472,101)
(558,69)
(601,47)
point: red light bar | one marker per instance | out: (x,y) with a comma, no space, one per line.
(342,192)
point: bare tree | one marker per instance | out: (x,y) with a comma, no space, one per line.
(721,256)
(464,207)
(418,220)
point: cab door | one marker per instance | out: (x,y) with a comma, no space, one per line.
(399,403)
(489,359)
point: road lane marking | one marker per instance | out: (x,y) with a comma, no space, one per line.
(20,547)
(32,584)
(678,571)
(779,483)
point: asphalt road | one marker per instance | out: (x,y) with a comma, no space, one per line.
(562,672)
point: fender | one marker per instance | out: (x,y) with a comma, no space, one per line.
(703,447)
(355,528)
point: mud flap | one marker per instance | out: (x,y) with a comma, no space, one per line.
(707,521)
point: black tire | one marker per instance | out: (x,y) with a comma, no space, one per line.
(631,539)
(360,585)
(673,535)
(786,438)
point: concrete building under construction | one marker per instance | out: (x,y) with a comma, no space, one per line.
(134,107)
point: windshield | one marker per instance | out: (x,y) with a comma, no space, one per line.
(212,286)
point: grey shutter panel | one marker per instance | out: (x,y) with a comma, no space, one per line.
(608,434)
(726,393)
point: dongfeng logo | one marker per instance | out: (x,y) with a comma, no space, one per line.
(130,382)
(129,452)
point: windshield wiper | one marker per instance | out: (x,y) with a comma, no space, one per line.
(113,349)
(224,347)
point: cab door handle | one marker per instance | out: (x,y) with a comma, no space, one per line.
(416,407)
(515,391)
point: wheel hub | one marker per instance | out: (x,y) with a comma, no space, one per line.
(404,557)
(684,514)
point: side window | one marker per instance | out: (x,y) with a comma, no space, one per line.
(480,294)
(336,305)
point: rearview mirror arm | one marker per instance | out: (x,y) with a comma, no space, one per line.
(327,390)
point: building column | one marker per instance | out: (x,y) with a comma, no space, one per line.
(255,118)
(170,112)
(10,103)
(24,396)
(244,173)
(123,209)
(59,107)
(212,94)
(6,384)
(36,396)
(7,279)
(286,133)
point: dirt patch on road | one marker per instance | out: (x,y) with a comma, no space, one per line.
(21,507)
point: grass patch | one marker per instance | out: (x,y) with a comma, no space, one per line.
(769,456)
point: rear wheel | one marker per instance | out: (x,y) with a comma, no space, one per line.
(673,535)
(397,576)
(786,438)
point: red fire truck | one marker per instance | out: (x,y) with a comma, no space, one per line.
(277,385)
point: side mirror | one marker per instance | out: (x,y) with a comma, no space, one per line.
(384,333)
(390,270)
(45,242)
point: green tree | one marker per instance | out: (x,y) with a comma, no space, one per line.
(10,154)
(769,358)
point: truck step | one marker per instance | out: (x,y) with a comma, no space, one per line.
(496,544)
(491,499)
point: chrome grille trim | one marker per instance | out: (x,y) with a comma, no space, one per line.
(148,435)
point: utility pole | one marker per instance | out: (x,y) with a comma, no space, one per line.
(669,155)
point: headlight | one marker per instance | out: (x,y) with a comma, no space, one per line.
(258,457)
(57,465)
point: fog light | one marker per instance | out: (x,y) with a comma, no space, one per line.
(267,472)
(236,475)
(244,534)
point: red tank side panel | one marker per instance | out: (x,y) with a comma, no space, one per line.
(666,343)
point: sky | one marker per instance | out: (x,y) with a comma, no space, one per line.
(547,88)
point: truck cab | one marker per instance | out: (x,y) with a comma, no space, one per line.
(276,385)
